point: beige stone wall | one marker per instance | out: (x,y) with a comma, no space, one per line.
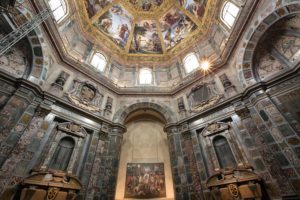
(144,142)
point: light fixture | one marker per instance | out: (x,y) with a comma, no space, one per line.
(205,65)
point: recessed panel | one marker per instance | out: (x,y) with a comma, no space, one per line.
(116,24)
(195,7)
(145,38)
(95,6)
(175,26)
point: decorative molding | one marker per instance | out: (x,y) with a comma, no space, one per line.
(85,95)
(72,128)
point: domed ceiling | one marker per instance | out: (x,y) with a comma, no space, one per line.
(145,30)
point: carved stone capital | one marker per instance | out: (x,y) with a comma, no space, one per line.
(42,110)
(171,130)
(118,130)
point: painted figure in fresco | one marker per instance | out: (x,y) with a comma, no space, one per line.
(87,93)
(117,10)
(198,10)
(158,2)
(134,2)
(171,18)
(182,2)
(123,32)
(106,24)
(146,6)
(95,6)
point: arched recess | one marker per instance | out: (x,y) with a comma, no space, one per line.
(121,115)
(40,59)
(247,75)
(144,153)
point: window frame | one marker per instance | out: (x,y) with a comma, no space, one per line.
(100,56)
(62,5)
(224,12)
(186,68)
(145,82)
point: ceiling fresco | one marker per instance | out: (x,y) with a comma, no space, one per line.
(175,26)
(196,7)
(116,24)
(148,5)
(146,39)
(152,30)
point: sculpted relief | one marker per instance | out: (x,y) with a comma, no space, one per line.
(86,96)
(203,96)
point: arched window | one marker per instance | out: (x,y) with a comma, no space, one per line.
(99,62)
(62,154)
(145,76)
(224,153)
(190,62)
(58,8)
(229,13)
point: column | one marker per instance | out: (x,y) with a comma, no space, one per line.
(279,184)
(18,162)
(103,179)
(197,192)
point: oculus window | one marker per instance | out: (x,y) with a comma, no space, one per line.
(190,62)
(58,8)
(99,62)
(229,13)
(145,77)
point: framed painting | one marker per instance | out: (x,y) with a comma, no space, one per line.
(145,180)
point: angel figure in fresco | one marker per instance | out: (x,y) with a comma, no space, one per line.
(106,24)
(117,10)
(171,18)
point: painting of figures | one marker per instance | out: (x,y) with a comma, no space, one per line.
(95,6)
(145,180)
(115,23)
(145,38)
(175,26)
(146,5)
(196,7)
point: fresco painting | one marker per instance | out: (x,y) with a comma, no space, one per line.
(175,26)
(145,38)
(146,5)
(196,7)
(115,23)
(95,6)
(145,180)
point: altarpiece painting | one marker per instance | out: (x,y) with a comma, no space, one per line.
(145,180)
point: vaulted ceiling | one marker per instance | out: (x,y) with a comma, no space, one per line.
(146,30)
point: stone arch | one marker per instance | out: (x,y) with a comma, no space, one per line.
(121,115)
(40,61)
(273,13)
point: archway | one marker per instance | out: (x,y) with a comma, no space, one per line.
(144,166)
(274,13)
(165,111)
